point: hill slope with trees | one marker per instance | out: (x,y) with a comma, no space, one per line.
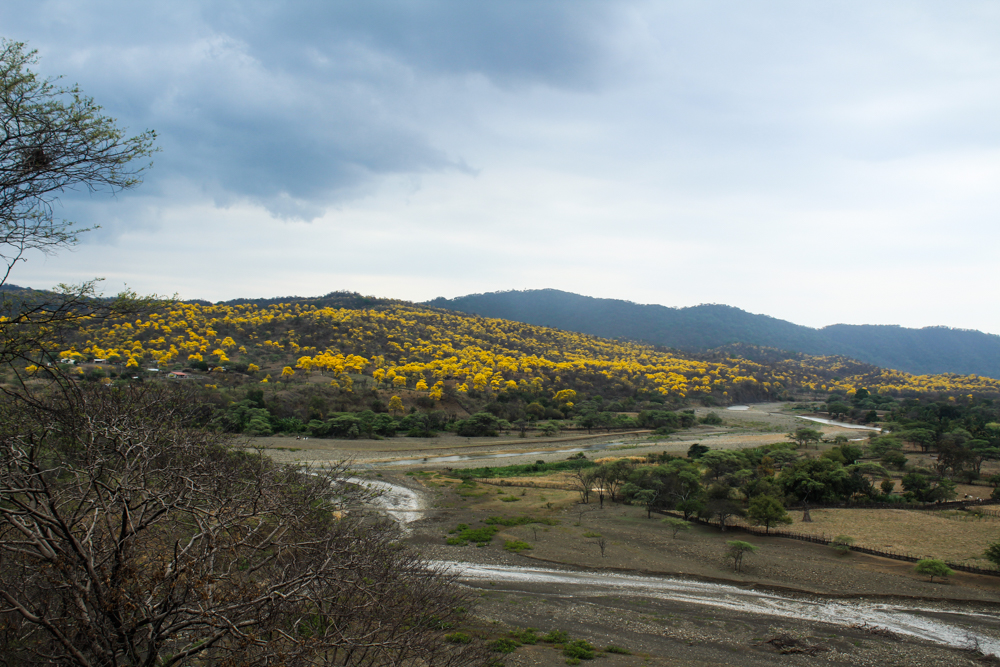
(699,328)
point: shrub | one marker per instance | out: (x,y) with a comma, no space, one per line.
(463,535)
(518,521)
(504,645)
(555,637)
(933,567)
(526,636)
(458,638)
(579,649)
(842,543)
(517,546)
(992,553)
(611,648)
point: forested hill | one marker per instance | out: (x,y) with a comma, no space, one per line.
(699,328)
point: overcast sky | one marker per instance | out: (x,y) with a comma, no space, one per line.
(820,162)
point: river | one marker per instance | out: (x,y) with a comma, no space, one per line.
(943,623)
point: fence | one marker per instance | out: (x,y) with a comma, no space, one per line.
(818,539)
(947,505)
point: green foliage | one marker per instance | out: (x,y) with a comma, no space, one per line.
(842,544)
(676,525)
(503,645)
(463,534)
(611,648)
(737,550)
(526,636)
(512,521)
(555,637)
(767,511)
(932,567)
(458,638)
(992,553)
(526,470)
(516,546)
(712,419)
(579,649)
(481,424)
(695,451)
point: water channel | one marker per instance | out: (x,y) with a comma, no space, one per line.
(501,455)
(943,623)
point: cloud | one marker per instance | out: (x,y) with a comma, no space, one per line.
(826,159)
(297,107)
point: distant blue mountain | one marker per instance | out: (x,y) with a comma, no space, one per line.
(705,327)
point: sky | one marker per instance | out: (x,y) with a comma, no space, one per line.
(821,162)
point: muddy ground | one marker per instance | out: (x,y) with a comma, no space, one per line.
(663,632)
(656,630)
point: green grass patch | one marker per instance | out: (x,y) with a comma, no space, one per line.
(591,533)
(504,645)
(579,649)
(510,499)
(517,546)
(463,534)
(611,648)
(527,470)
(526,636)
(511,521)
(458,638)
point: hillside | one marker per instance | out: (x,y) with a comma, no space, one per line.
(393,345)
(930,350)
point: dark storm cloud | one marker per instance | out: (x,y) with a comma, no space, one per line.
(299,106)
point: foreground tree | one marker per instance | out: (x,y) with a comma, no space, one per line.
(53,139)
(127,538)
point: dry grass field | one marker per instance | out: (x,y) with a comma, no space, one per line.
(954,536)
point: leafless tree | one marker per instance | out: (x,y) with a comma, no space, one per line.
(128,538)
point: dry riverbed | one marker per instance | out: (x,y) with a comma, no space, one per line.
(656,629)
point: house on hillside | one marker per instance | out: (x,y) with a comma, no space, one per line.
(177,375)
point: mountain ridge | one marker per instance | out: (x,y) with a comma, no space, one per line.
(929,350)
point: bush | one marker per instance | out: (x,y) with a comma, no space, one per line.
(517,546)
(526,636)
(842,544)
(504,645)
(611,648)
(933,567)
(458,638)
(480,536)
(712,419)
(579,649)
(555,637)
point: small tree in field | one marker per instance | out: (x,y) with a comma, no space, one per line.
(933,567)
(676,525)
(803,436)
(993,553)
(768,511)
(737,550)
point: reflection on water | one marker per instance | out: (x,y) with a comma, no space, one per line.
(501,455)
